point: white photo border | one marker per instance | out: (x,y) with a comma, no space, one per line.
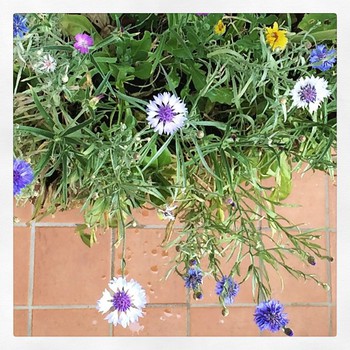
(340,7)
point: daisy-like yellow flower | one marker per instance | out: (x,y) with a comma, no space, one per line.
(276,38)
(220,28)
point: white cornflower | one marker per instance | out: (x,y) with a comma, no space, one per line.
(167,213)
(126,300)
(310,92)
(47,64)
(166,113)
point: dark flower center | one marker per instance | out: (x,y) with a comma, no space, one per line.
(308,93)
(121,301)
(16,175)
(165,113)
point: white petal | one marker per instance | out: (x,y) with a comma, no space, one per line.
(113,317)
(105,303)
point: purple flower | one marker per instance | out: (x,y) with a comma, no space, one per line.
(19,26)
(227,289)
(321,58)
(83,42)
(269,315)
(166,113)
(22,175)
(194,277)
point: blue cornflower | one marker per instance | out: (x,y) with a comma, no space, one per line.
(194,277)
(227,288)
(22,175)
(321,58)
(19,26)
(269,315)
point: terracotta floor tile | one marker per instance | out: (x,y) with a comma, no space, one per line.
(21,241)
(21,213)
(333,253)
(77,322)
(308,199)
(66,270)
(332,203)
(293,289)
(20,323)
(210,322)
(334,321)
(157,322)
(305,321)
(147,262)
(67,216)
(145,216)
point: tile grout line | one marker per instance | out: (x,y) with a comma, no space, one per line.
(329,271)
(112,256)
(159,305)
(31,277)
(151,227)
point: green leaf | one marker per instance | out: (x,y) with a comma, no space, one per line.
(283,180)
(143,70)
(324,21)
(41,109)
(220,95)
(36,131)
(165,158)
(141,48)
(75,128)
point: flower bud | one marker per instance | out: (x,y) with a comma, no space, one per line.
(302,138)
(311,260)
(177,248)
(326,286)
(197,295)
(136,156)
(283,100)
(288,331)
(65,78)
(193,262)
(308,45)
(225,312)
(200,134)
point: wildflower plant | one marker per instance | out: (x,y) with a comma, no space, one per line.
(193,109)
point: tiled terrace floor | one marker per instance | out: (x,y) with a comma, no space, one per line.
(57,279)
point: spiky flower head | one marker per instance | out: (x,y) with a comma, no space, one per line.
(194,277)
(23,175)
(19,25)
(309,92)
(322,59)
(269,316)
(227,288)
(125,300)
(166,113)
(47,64)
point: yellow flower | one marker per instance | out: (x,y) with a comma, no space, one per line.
(219,28)
(276,38)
